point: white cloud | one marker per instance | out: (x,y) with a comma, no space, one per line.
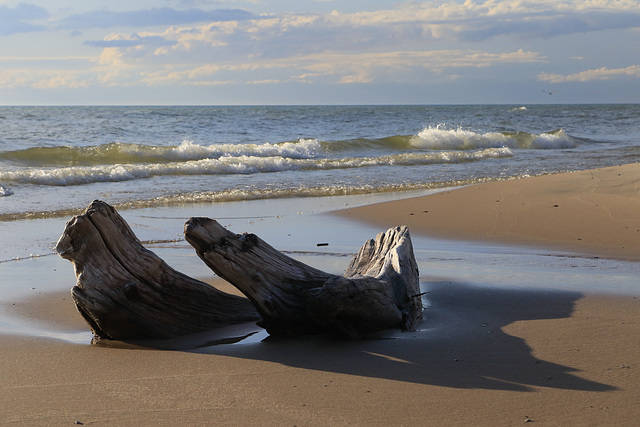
(264,82)
(47,79)
(337,67)
(61,79)
(362,77)
(47,72)
(45,59)
(603,73)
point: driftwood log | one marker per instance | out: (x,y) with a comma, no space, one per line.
(380,288)
(125,291)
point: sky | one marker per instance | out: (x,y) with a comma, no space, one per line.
(295,52)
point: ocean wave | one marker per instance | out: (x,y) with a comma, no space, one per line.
(78,175)
(440,138)
(553,140)
(121,153)
(436,138)
(395,142)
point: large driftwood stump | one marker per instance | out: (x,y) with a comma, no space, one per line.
(125,291)
(380,289)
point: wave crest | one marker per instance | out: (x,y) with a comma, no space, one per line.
(78,175)
(120,153)
(440,138)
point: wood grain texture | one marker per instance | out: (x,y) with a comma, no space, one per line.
(125,291)
(380,289)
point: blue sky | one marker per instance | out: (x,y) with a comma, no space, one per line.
(219,52)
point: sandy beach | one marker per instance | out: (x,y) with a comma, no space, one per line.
(483,356)
(592,212)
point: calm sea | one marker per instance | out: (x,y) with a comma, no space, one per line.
(55,160)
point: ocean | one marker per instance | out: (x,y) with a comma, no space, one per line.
(270,169)
(55,160)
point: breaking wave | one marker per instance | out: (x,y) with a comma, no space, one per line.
(115,162)
(120,153)
(430,138)
(243,164)
(438,138)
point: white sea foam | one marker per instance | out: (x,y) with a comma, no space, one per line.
(303,148)
(4,191)
(440,138)
(78,175)
(558,139)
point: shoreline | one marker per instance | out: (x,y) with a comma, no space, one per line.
(592,212)
(484,355)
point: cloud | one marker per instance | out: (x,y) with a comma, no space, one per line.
(412,43)
(130,41)
(344,68)
(62,79)
(47,72)
(15,20)
(342,48)
(45,59)
(194,3)
(238,34)
(264,82)
(45,79)
(150,17)
(473,21)
(603,73)
(359,47)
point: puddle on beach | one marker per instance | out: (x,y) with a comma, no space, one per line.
(29,267)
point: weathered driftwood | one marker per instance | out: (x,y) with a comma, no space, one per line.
(125,291)
(380,289)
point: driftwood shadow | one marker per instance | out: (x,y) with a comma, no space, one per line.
(460,344)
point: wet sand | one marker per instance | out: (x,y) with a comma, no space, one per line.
(483,356)
(593,212)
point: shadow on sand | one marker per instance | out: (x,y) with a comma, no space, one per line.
(461,344)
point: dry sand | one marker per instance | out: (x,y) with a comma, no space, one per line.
(483,356)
